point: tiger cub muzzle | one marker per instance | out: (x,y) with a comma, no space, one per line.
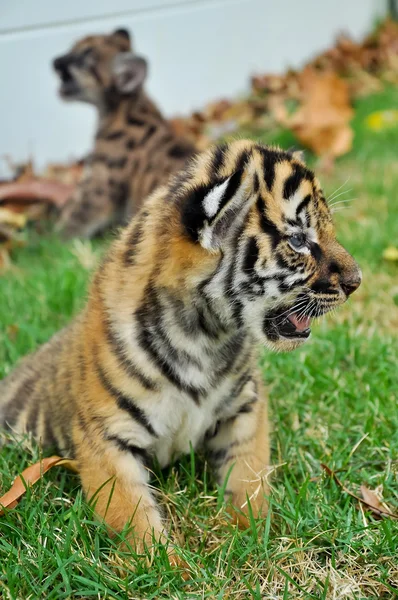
(63,66)
(337,280)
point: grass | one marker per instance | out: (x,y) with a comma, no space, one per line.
(333,402)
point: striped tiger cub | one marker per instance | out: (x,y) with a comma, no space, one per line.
(236,252)
(135,148)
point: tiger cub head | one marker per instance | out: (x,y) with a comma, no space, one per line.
(100,68)
(262,212)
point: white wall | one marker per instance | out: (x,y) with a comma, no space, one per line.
(198,50)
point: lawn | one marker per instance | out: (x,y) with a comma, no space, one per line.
(332,402)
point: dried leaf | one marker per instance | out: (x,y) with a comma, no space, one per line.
(373,501)
(382,512)
(356,68)
(30,476)
(36,190)
(322,121)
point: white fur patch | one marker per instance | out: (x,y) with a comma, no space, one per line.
(212,200)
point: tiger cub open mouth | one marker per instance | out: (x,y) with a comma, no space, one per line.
(295,325)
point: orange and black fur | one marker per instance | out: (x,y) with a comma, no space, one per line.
(236,251)
(135,147)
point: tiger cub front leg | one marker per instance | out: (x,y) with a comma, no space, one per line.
(116,481)
(240,453)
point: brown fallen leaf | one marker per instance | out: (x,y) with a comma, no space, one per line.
(30,476)
(322,121)
(345,71)
(376,507)
(373,501)
(44,190)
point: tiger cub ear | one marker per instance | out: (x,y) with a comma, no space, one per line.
(212,212)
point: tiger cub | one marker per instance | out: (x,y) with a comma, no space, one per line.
(135,147)
(236,251)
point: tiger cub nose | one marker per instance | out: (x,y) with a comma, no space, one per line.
(60,62)
(350,285)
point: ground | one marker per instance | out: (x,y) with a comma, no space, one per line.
(333,402)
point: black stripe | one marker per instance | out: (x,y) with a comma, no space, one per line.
(111,98)
(292,182)
(131,144)
(48,435)
(323,286)
(248,406)
(149,317)
(243,358)
(18,400)
(270,159)
(117,163)
(235,303)
(240,384)
(284,287)
(135,121)
(33,412)
(267,226)
(193,214)
(146,340)
(218,456)
(243,160)
(129,367)
(148,134)
(251,256)
(212,431)
(135,239)
(97,157)
(164,139)
(123,402)
(194,320)
(114,135)
(317,253)
(136,451)
(208,319)
(303,204)
(256,183)
(119,192)
(82,421)
(206,323)
(236,390)
(231,351)
(283,263)
(96,74)
(217,161)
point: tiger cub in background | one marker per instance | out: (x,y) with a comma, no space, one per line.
(237,250)
(135,147)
